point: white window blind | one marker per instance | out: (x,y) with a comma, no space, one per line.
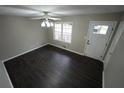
(63,32)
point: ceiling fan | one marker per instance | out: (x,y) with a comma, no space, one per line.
(46,19)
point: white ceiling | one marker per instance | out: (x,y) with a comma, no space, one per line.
(58,10)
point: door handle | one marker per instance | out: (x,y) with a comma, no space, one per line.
(88,42)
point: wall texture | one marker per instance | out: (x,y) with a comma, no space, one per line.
(18,35)
(80,28)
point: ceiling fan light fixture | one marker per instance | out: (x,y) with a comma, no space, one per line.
(51,24)
(43,24)
(48,23)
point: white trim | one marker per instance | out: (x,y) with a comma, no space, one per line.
(67,49)
(103,80)
(109,39)
(113,44)
(24,52)
(15,57)
(7,75)
(111,49)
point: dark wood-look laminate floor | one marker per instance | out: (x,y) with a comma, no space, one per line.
(51,67)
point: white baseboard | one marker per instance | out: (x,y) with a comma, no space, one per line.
(40,47)
(32,50)
(67,49)
(15,57)
(7,76)
(103,80)
(24,52)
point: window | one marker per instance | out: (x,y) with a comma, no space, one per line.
(63,32)
(100,29)
(57,32)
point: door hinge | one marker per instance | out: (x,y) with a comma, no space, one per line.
(106,44)
(112,29)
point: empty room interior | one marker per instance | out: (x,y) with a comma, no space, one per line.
(61,46)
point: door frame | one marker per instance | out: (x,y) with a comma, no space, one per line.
(115,40)
(88,34)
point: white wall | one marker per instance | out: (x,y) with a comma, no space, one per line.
(4,79)
(18,35)
(80,28)
(114,72)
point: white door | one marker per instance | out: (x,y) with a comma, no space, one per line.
(98,37)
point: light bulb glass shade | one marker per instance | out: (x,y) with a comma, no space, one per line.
(51,24)
(48,24)
(43,24)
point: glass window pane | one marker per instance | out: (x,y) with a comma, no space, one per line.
(63,32)
(58,32)
(67,30)
(100,29)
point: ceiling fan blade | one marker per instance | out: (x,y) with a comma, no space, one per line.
(37,18)
(53,18)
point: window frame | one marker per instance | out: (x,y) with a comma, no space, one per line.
(62,31)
